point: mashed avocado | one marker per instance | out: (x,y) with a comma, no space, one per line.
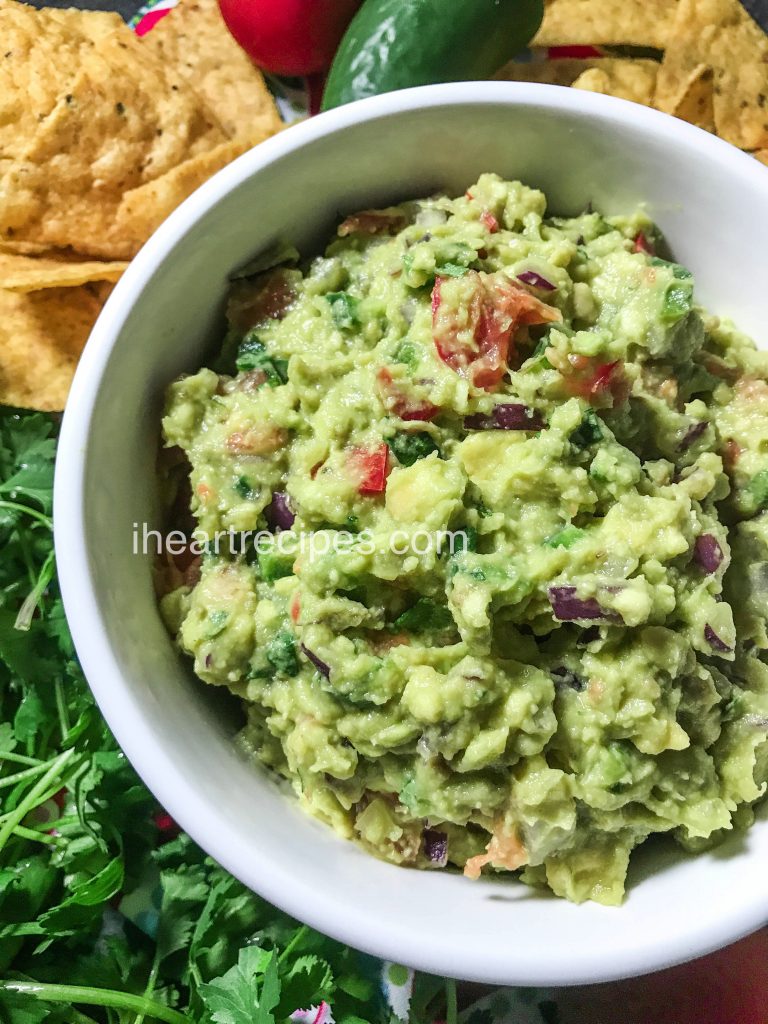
(530,628)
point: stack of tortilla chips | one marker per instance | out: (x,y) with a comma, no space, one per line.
(705,61)
(102,135)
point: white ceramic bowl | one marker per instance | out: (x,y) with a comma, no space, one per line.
(712,203)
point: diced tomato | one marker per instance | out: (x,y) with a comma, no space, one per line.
(383,642)
(372,222)
(370,466)
(601,384)
(268,297)
(295,608)
(402,405)
(490,221)
(731,452)
(603,376)
(256,441)
(643,244)
(496,309)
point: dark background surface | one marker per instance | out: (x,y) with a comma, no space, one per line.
(125,7)
(757,8)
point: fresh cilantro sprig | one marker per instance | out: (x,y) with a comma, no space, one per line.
(79,834)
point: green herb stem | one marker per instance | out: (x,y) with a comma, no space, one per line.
(9,755)
(14,506)
(27,773)
(451,1002)
(298,936)
(30,801)
(27,610)
(96,997)
(36,837)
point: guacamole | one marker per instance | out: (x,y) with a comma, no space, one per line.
(484,498)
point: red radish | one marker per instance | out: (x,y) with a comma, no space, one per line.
(729,987)
(574,52)
(289,37)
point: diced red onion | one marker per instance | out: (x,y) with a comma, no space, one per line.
(568,607)
(319,664)
(278,512)
(707,553)
(511,416)
(536,281)
(714,640)
(436,846)
(693,433)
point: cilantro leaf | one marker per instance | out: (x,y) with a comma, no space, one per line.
(237,997)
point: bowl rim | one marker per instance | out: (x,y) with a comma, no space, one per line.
(128,719)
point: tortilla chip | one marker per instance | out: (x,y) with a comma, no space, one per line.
(34,273)
(41,52)
(628,79)
(143,209)
(606,23)
(123,122)
(761,155)
(22,248)
(720,34)
(695,101)
(546,72)
(41,337)
(195,43)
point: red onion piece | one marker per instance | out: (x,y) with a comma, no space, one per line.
(714,641)
(319,664)
(707,553)
(436,846)
(278,512)
(693,434)
(511,416)
(568,607)
(536,281)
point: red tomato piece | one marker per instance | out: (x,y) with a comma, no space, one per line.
(497,308)
(289,37)
(407,407)
(267,297)
(490,221)
(372,222)
(643,244)
(370,466)
(601,384)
